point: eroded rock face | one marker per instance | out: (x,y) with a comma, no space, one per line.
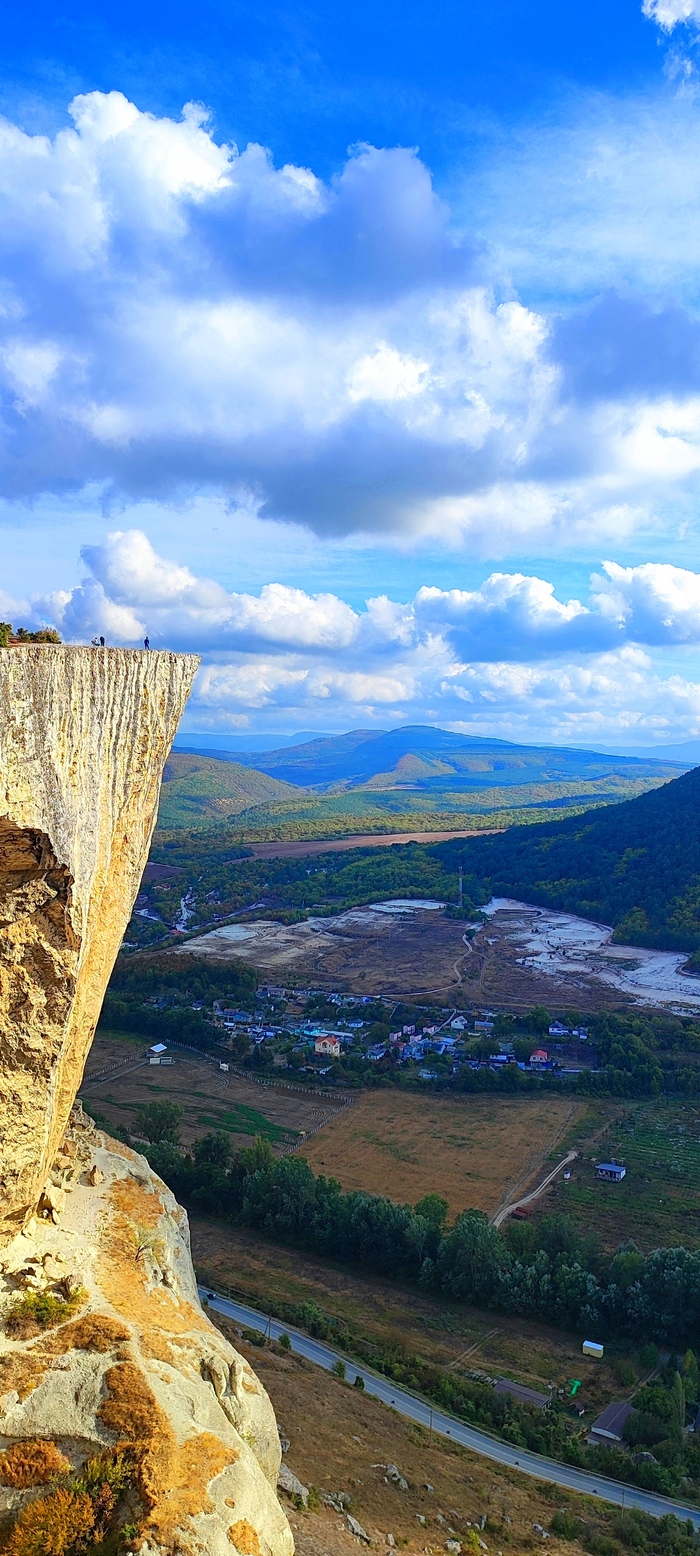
(122,1409)
(137,1368)
(84,735)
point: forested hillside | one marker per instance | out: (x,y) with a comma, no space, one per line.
(635,865)
(198,790)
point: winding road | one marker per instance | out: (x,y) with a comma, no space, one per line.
(415,1409)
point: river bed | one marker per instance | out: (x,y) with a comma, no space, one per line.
(560,945)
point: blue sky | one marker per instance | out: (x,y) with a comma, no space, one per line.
(358,348)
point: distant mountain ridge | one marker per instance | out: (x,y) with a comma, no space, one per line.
(413,778)
(635,865)
(425,756)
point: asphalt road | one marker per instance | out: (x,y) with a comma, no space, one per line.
(415,1409)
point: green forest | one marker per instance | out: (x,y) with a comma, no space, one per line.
(635,865)
(550,1271)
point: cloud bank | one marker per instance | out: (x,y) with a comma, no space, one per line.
(508,655)
(179,316)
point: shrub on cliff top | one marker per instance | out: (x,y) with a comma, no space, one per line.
(37,1310)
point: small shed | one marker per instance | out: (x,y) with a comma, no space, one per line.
(158,1048)
(610,1172)
(593,1348)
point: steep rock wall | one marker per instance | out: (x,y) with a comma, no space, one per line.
(84,734)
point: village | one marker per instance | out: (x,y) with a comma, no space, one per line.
(317,1032)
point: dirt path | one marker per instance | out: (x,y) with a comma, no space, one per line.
(532,1168)
(527,1199)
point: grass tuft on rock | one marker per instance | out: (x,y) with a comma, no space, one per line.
(35,1311)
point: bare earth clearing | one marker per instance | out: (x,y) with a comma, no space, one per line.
(397,948)
(209,1098)
(476,1151)
(301,846)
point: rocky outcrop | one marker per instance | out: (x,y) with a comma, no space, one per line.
(84,735)
(129,1369)
(125,1417)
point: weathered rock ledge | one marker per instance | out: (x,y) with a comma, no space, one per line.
(127,1422)
(136,1368)
(84,735)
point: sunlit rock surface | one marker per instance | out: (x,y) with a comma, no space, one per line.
(84,735)
(137,1366)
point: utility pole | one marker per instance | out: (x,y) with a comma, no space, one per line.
(461,888)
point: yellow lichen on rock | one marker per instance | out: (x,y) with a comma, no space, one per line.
(84,735)
(140,1372)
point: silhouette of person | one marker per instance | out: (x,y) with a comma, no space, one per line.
(147,642)
(102,642)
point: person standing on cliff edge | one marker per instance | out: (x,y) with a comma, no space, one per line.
(147,642)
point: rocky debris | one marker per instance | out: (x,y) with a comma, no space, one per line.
(393,1474)
(285,1443)
(287,1482)
(357,1529)
(454,1547)
(543,1533)
(337,1500)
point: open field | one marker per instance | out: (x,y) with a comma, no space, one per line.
(658,1202)
(341,1441)
(209,1098)
(302,846)
(401,950)
(396,1318)
(475,1151)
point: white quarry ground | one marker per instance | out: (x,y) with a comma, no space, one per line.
(276,944)
(560,945)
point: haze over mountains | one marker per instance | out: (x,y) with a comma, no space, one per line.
(419,755)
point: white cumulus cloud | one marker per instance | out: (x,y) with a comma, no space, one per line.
(179,315)
(668,13)
(508,657)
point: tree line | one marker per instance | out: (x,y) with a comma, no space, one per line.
(550,1272)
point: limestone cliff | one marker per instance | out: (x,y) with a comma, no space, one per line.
(108,1359)
(84,735)
(126,1421)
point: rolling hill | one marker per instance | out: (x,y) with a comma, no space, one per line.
(199,790)
(415,779)
(418,756)
(635,865)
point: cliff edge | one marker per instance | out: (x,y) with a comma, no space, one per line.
(127,1422)
(84,735)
